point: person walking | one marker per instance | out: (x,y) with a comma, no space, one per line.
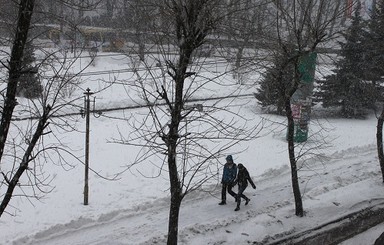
(242,180)
(227,181)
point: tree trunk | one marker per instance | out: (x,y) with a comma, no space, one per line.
(292,160)
(173,221)
(190,37)
(288,93)
(291,143)
(280,105)
(239,57)
(26,158)
(379,139)
(23,26)
(140,43)
(176,188)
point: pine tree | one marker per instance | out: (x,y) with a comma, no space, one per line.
(375,41)
(29,85)
(348,87)
(375,44)
(272,90)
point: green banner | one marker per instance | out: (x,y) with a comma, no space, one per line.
(302,98)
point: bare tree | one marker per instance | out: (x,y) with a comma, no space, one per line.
(27,143)
(179,136)
(246,27)
(23,25)
(134,11)
(301,26)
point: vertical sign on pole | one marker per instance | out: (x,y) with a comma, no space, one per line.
(302,98)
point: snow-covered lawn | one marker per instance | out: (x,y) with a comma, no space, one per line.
(134,209)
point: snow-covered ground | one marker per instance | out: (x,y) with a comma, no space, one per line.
(134,209)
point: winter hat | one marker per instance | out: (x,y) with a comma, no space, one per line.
(240,166)
(229,158)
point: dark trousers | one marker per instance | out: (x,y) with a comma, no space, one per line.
(241,195)
(225,187)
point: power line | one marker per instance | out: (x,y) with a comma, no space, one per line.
(132,107)
(128,70)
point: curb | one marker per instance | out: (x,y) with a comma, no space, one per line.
(339,230)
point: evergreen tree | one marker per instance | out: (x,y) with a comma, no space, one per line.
(29,85)
(348,87)
(375,44)
(376,54)
(272,89)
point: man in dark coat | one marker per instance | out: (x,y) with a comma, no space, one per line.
(242,180)
(227,181)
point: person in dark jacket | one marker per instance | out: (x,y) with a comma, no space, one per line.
(242,180)
(227,181)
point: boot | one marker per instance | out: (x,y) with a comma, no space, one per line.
(247,201)
(222,203)
(237,208)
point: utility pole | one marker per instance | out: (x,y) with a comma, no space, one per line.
(87,103)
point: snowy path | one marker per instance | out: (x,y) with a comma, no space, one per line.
(270,212)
